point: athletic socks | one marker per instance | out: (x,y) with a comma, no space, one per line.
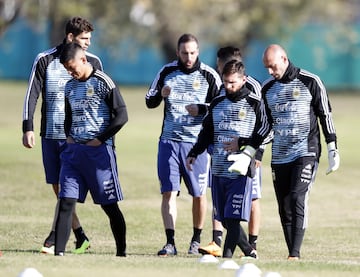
(253,241)
(217,237)
(170,236)
(80,234)
(196,234)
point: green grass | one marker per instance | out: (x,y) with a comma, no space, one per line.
(331,245)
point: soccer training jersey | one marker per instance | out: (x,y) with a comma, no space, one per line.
(48,78)
(293,105)
(196,86)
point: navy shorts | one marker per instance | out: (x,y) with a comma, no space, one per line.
(256,184)
(51,150)
(88,168)
(231,198)
(172,168)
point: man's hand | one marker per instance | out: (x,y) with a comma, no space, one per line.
(94,142)
(189,162)
(165,91)
(192,109)
(241,161)
(28,139)
(333,157)
(231,145)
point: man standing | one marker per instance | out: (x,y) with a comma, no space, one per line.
(236,123)
(186,86)
(48,78)
(94,112)
(224,55)
(295,101)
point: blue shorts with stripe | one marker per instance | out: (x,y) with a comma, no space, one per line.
(51,150)
(88,168)
(231,198)
(172,168)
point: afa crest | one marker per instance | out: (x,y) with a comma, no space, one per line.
(296,93)
(90,91)
(196,84)
(242,114)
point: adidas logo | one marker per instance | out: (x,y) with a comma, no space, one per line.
(237,212)
(111,196)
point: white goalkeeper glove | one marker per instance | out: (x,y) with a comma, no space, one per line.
(333,157)
(241,161)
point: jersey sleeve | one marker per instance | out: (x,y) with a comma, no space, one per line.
(323,110)
(119,114)
(153,97)
(35,87)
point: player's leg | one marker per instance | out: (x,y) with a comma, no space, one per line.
(255,215)
(71,185)
(169,214)
(51,150)
(196,182)
(254,222)
(236,236)
(118,227)
(63,224)
(169,176)
(103,183)
(214,247)
(282,182)
(237,208)
(51,163)
(304,171)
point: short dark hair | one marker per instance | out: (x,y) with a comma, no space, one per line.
(77,25)
(186,38)
(228,53)
(234,66)
(69,52)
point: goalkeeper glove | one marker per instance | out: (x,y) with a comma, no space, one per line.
(241,161)
(333,157)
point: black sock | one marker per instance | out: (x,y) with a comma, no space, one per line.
(63,224)
(118,227)
(253,241)
(170,236)
(196,234)
(217,237)
(80,234)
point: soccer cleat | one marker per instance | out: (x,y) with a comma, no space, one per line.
(212,249)
(194,248)
(81,248)
(47,249)
(292,258)
(168,250)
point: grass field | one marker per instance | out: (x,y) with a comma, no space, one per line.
(331,245)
